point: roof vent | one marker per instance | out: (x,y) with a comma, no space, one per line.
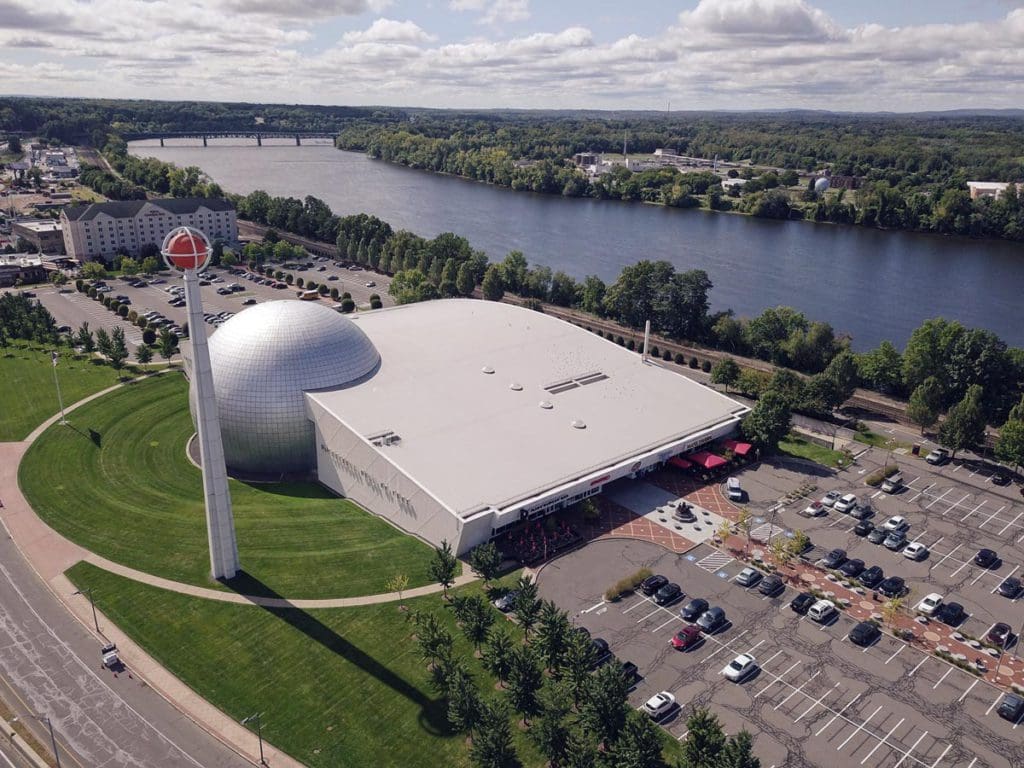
(487,369)
(546,405)
(579,424)
(515,386)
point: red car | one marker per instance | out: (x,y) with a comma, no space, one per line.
(686,638)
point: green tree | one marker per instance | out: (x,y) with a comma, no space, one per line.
(144,354)
(103,342)
(579,659)
(492,744)
(433,639)
(397,583)
(464,702)
(582,750)
(466,280)
(478,621)
(149,265)
(639,743)
(443,566)
(493,285)
(768,421)
(550,730)
(93,270)
(129,266)
(964,425)
(592,291)
(485,560)
(167,344)
(497,653)
(604,708)
(705,740)
(1010,446)
(726,371)
(411,285)
(229,259)
(842,376)
(739,752)
(882,368)
(553,631)
(513,272)
(84,339)
(527,604)
(525,677)
(925,402)
(118,351)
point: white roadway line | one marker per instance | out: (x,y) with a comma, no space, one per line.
(898,652)
(876,494)
(839,714)
(642,601)
(981,572)
(956,505)
(665,624)
(963,564)
(989,520)
(593,607)
(816,703)
(998,582)
(796,690)
(922,661)
(1006,527)
(932,503)
(7,760)
(964,694)
(932,546)
(957,468)
(684,735)
(971,764)
(907,753)
(923,490)
(858,729)
(948,670)
(657,608)
(723,646)
(890,733)
(954,549)
(971,512)
(778,678)
(911,483)
(993,704)
(939,758)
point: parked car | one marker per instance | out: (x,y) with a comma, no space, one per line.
(892,586)
(892,483)
(830,498)
(771,585)
(668,594)
(371,284)
(652,584)
(1010,587)
(986,558)
(952,614)
(861,511)
(872,577)
(686,638)
(601,650)
(895,540)
(660,704)
(814,509)
(733,489)
(712,619)
(821,611)
(929,603)
(834,558)
(1012,707)
(852,568)
(865,633)
(896,523)
(863,528)
(748,577)
(846,502)
(507,602)
(915,550)
(937,457)
(740,668)
(1000,479)
(1000,634)
(693,609)
(877,535)
(802,602)
(630,672)
(248,302)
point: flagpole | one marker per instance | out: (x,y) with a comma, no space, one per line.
(56,382)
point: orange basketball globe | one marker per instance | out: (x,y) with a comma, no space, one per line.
(186,248)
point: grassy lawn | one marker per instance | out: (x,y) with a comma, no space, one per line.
(798,447)
(126,490)
(876,440)
(28,396)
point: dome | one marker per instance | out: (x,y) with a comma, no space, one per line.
(821,184)
(263,359)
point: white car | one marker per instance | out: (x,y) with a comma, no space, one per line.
(831,498)
(814,509)
(660,704)
(846,502)
(821,611)
(740,667)
(896,523)
(929,604)
(915,550)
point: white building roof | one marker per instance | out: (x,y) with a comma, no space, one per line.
(474,439)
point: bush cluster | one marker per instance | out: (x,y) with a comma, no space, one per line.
(875,478)
(627,584)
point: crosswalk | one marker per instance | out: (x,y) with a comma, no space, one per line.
(714,561)
(766,532)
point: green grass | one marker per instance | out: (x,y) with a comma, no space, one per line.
(876,440)
(118,482)
(798,447)
(28,396)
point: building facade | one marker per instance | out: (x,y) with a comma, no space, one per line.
(46,236)
(21,268)
(99,231)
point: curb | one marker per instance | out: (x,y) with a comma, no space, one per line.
(21,745)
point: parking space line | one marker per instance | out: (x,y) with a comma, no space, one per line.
(922,661)
(642,601)
(837,714)
(993,704)
(932,503)
(1015,569)
(1012,522)
(964,694)
(665,624)
(944,676)
(911,483)
(923,490)
(645,618)
(937,541)
(971,512)
(955,505)
(981,572)
(859,728)
(963,564)
(898,652)
(939,758)
(816,703)
(723,646)
(989,520)
(883,741)
(796,690)
(907,753)
(936,565)
(684,735)
(971,764)
(778,678)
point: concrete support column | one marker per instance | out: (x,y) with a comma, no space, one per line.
(161,142)
(298,143)
(204,141)
(259,140)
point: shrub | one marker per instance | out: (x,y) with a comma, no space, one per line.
(679,359)
(278,275)
(80,286)
(627,584)
(289,278)
(376,304)
(142,322)
(149,337)
(299,282)
(875,478)
(311,285)
(347,305)
(694,362)
(666,356)
(374,296)
(346,295)
(655,352)
(133,316)
(620,341)
(630,345)
(334,293)
(706,366)
(322,290)
(123,310)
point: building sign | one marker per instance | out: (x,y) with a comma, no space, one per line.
(361,476)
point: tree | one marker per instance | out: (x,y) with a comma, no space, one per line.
(592,292)
(118,351)
(434,640)
(579,658)
(525,677)
(1010,446)
(527,604)
(726,371)
(144,354)
(465,282)
(639,743)
(739,752)
(129,266)
(492,744)
(891,610)
(93,270)
(553,632)
(229,259)
(14,145)
(58,278)
(604,708)
(705,740)
(478,620)
(841,374)
(744,524)
(464,708)
(397,583)
(485,560)
(497,653)
(103,342)
(964,426)
(148,336)
(84,339)
(513,271)
(149,264)
(581,751)
(443,566)
(550,731)
(768,421)
(167,344)
(782,553)
(882,368)
(493,285)
(925,402)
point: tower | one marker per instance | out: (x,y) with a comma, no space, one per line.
(188,250)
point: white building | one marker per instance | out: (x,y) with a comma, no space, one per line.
(101,230)
(989,188)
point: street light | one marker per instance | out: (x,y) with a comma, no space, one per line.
(259,732)
(53,738)
(88,591)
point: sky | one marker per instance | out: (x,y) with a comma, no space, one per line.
(849,55)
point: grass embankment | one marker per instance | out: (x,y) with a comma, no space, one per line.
(28,396)
(118,482)
(798,447)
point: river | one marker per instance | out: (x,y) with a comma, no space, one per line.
(873,285)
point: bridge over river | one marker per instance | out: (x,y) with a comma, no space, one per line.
(240,134)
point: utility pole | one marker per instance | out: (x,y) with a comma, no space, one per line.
(259,732)
(87,591)
(56,382)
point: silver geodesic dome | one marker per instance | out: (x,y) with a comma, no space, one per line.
(263,359)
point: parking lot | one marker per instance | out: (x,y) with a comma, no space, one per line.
(817,700)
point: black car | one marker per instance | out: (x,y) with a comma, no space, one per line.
(861,512)
(863,528)
(582,631)
(834,559)
(872,577)
(892,586)
(771,585)
(877,536)
(864,634)
(951,613)
(601,650)
(652,584)
(630,671)
(1000,634)
(1010,587)
(693,609)
(852,567)
(802,602)
(1000,479)
(668,594)
(711,620)
(986,558)
(1012,707)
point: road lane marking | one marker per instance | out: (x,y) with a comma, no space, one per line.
(955,505)
(883,741)
(989,520)
(939,758)
(964,694)
(642,601)
(898,652)
(1015,569)
(645,618)
(593,607)
(816,702)
(923,490)
(837,714)
(993,704)
(972,511)
(665,624)
(859,728)
(922,661)
(932,503)
(907,753)
(778,678)
(954,549)
(950,669)
(963,564)
(796,690)
(1012,522)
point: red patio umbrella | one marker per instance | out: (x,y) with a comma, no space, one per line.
(740,449)
(707,460)
(680,462)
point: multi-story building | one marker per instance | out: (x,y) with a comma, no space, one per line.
(45,235)
(21,269)
(993,189)
(99,231)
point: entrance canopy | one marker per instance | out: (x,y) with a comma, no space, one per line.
(707,460)
(680,462)
(740,449)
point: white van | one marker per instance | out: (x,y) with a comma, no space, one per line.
(733,489)
(821,611)
(893,483)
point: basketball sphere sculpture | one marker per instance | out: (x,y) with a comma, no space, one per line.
(186,248)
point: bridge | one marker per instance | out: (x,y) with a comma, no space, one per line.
(240,134)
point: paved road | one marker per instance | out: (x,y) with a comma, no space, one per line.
(50,664)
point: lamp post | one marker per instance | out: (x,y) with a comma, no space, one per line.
(87,591)
(54,357)
(259,732)
(53,737)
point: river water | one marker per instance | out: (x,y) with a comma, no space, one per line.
(873,285)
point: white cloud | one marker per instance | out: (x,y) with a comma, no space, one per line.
(304,9)
(495,12)
(387,30)
(760,20)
